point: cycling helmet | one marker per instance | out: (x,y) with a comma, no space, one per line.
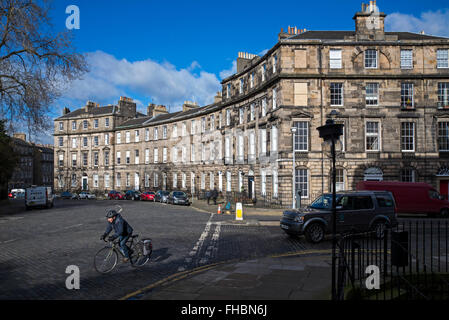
(111,214)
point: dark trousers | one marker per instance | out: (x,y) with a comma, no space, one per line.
(123,246)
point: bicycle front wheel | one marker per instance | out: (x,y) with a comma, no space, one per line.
(137,258)
(105,260)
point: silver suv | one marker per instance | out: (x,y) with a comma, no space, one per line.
(357,211)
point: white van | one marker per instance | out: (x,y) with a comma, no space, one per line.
(38,197)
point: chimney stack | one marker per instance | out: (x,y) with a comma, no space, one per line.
(21,136)
(65,111)
(189,105)
(154,110)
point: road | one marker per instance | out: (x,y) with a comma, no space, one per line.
(37,246)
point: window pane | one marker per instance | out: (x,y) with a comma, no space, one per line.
(372,94)
(371,58)
(443,136)
(406,59)
(301,136)
(372,136)
(335,59)
(406,94)
(336,94)
(443,58)
(302,183)
(443,94)
(407,136)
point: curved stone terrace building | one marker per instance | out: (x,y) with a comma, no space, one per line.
(389,89)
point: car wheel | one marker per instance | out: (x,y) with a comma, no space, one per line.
(315,232)
(378,229)
(444,213)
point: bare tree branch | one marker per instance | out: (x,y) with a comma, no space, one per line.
(35,62)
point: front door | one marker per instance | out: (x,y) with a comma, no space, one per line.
(136,181)
(84,183)
(251,190)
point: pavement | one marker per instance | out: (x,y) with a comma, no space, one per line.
(249,212)
(296,276)
(302,275)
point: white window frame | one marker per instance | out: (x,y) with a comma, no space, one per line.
(147,156)
(127,137)
(301,179)
(301,135)
(335,61)
(164,154)
(368,59)
(408,133)
(371,97)
(334,86)
(274,98)
(406,59)
(442,58)
(372,134)
(155,155)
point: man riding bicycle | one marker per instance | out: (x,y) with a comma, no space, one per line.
(122,231)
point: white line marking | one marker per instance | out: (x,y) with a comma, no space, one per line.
(199,244)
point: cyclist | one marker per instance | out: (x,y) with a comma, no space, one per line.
(122,231)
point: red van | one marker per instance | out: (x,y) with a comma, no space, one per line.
(411,197)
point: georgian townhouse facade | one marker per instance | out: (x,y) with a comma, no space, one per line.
(389,89)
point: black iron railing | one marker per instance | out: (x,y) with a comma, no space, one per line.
(410,262)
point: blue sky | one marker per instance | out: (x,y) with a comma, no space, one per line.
(170,51)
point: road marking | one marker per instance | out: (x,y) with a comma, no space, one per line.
(199,244)
(3,220)
(8,241)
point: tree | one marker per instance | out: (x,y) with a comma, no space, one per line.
(8,160)
(35,62)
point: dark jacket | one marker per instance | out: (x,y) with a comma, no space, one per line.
(120,226)
(214,194)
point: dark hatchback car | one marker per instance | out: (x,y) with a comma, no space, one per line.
(178,197)
(132,195)
(66,195)
(162,196)
(357,211)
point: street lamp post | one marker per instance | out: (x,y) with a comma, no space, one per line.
(293,129)
(331,132)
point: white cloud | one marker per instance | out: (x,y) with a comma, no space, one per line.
(163,83)
(229,72)
(432,22)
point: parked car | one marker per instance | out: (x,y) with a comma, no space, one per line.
(149,195)
(162,196)
(411,197)
(178,197)
(132,195)
(86,195)
(67,195)
(357,211)
(116,195)
(39,196)
(18,193)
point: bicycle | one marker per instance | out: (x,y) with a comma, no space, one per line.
(106,258)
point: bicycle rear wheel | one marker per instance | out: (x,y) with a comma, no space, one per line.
(105,260)
(138,258)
